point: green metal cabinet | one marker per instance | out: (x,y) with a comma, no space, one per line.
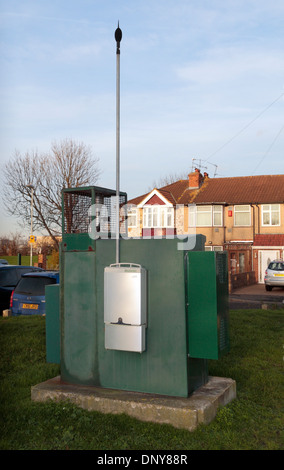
(187,310)
(207,304)
(52,323)
(165,367)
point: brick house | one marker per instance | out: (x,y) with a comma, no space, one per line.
(243,215)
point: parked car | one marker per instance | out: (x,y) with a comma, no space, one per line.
(3,261)
(9,278)
(28,298)
(274,274)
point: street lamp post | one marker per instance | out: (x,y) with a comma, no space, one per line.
(31,242)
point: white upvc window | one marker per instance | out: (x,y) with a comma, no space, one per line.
(242,216)
(217,216)
(217,248)
(213,248)
(270,214)
(205,216)
(158,217)
(132,216)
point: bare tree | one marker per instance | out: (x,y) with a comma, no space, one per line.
(168,179)
(69,164)
(11,245)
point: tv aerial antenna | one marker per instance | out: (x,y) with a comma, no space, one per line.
(198,163)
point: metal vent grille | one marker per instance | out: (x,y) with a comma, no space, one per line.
(110,204)
(223,334)
(78,214)
(221,267)
(76,207)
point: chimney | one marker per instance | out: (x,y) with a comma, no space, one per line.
(195,179)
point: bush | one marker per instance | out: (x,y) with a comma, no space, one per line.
(53,261)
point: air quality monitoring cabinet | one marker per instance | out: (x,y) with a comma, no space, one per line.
(146,324)
(125,307)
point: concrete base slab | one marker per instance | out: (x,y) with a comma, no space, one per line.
(186,413)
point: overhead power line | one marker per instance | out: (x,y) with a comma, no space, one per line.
(245,127)
(269,148)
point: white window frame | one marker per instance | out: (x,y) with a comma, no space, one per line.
(156,216)
(216,210)
(132,214)
(213,248)
(218,248)
(212,210)
(237,211)
(270,211)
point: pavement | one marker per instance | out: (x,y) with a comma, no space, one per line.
(255,296)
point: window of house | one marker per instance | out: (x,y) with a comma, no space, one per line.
(205,216)
(217,216)
(158,217)
(271,214)
(213,248)
(233,263)
(242,215)
(191,215)
(241,262)
(217,248)
(132,216)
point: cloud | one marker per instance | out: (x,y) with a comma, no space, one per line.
(229,64)
(77,53)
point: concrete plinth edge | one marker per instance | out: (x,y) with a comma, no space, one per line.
(184,413)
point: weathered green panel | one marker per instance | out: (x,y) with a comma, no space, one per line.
(78,315)
(163,367)
(207,304)
(78,242)
(52,323)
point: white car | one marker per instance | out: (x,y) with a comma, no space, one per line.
(274,274)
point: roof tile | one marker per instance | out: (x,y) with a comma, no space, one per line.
(234,190)
(269,240)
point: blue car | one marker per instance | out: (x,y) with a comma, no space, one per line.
(9,278)
(28,297)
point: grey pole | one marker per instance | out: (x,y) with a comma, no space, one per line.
(118,37)
(32,200)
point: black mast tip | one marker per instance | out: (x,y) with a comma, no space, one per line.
(118,35)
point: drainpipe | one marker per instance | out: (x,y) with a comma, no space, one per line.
(224,226)
(253,234)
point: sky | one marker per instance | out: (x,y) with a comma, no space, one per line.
(201,84)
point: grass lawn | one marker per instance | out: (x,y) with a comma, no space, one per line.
(253,421)
(25,260)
